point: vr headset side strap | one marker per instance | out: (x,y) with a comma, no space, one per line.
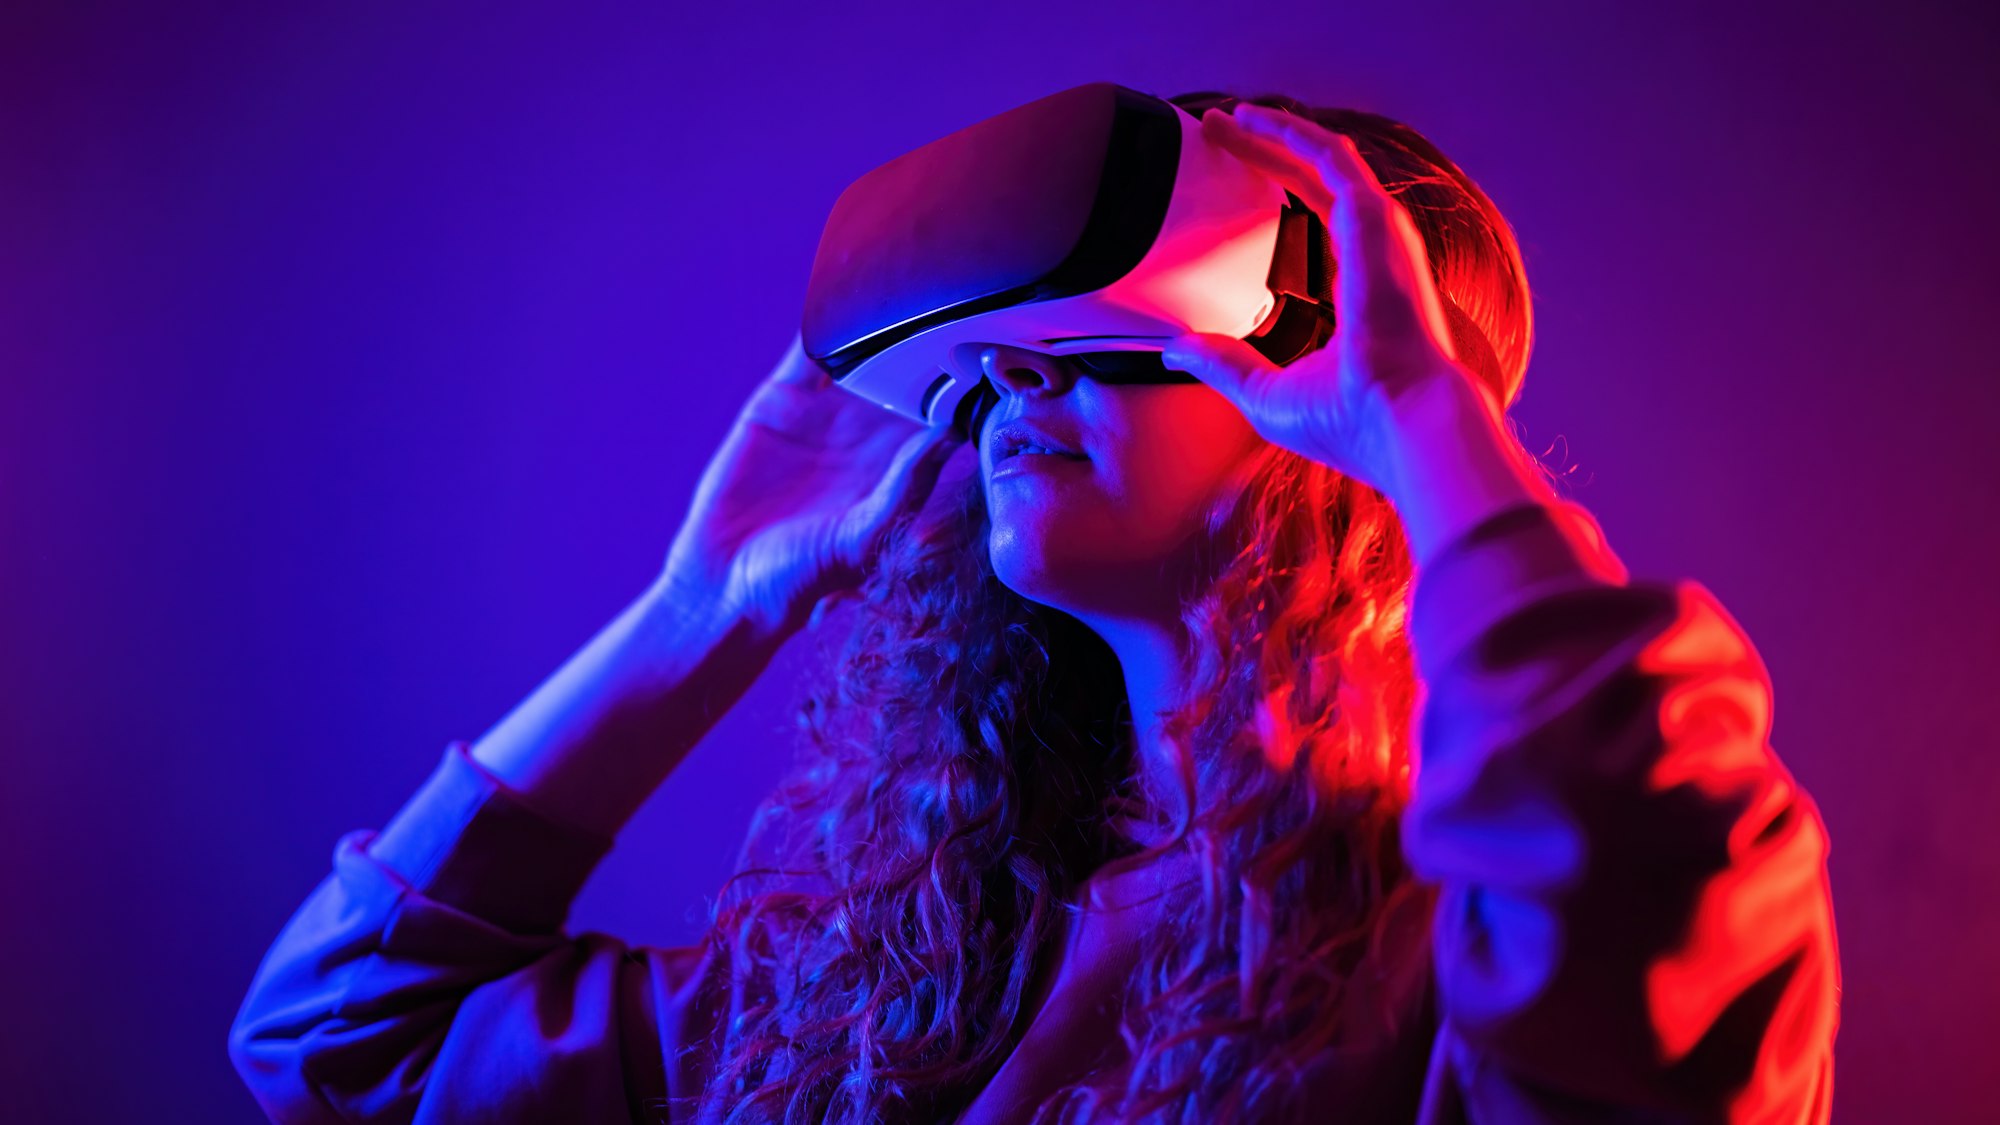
(1301,278)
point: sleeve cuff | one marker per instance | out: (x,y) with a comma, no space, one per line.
(1500,565)
(465,839)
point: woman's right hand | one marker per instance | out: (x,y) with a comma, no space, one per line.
(795,505)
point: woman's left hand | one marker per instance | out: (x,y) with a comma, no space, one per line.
(1340,404)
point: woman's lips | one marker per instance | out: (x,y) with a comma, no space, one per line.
(1025,464)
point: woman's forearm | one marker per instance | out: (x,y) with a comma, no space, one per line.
(594,740)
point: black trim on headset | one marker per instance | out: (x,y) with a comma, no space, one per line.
(970,416)
(936,388)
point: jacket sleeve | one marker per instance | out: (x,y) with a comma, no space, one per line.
(1634,921)
(428,979)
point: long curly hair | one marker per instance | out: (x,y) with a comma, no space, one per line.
(967,762)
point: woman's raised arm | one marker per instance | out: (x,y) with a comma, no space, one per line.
(792,508)
(594,740)
(428,977)
(1635,921)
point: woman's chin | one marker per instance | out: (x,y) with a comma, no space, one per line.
(1026,565)
(1082,586)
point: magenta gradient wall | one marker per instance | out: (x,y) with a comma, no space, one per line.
(357,362)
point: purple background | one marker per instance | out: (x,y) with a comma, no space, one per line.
(358,364)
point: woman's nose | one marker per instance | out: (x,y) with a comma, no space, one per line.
(1021,371)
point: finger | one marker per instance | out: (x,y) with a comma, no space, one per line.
(1223,362)
(1351,228)
(1369,225)
(905,485)
(1269,156)
(1334,156)
(825,606)
(1360,216)
(799,369)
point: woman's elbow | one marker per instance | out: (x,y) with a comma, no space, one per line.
(270,1062)
(330,1071)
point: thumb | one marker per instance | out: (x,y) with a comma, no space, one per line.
(1223,362)
(826,605)
(904,487)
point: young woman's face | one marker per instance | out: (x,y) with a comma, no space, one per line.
(1111,532)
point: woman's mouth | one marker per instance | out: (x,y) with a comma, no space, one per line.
(1030,461)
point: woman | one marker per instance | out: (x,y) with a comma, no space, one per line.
(1112,809)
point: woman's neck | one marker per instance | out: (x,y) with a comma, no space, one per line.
(1151,656)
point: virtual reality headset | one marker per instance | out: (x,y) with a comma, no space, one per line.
(1095,224)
